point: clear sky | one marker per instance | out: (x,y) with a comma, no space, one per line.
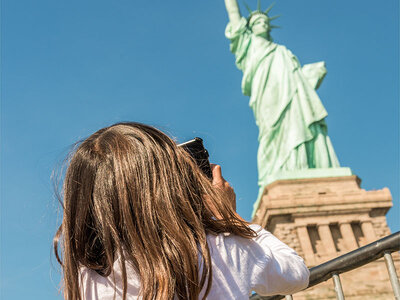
(72,67)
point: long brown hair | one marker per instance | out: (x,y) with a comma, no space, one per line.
(129,191)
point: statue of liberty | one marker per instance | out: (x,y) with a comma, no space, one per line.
(287,110)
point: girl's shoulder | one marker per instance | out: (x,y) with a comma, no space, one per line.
(226,245)
(95,286)
(263,264)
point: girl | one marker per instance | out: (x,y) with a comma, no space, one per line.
(141,221)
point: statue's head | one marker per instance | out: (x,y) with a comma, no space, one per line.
(259,21)
(259,25)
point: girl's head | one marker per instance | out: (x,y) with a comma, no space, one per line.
(130,192)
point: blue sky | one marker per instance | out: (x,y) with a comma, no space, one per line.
(72,67)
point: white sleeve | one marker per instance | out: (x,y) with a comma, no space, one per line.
(279,270)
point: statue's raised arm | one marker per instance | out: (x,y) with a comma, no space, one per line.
(233,11)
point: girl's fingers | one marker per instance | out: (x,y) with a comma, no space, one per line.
(217,174)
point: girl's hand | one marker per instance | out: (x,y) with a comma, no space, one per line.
(221,183)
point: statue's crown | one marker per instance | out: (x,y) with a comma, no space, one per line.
(258,11)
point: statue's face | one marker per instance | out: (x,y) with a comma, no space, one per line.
(259,25)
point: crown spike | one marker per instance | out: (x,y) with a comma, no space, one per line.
(269,8)
(259,5)
(274,17)
(247,7)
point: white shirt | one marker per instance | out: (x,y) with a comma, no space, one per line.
(239,266)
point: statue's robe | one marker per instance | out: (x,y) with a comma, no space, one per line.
(287,110)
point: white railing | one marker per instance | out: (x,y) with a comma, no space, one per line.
(350,261)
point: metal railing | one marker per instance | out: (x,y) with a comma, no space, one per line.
(350,261)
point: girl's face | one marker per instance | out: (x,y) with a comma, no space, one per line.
(259,25)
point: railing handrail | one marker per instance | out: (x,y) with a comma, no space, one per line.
(348,262)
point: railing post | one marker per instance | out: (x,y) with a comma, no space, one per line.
(338,287)
(393,275)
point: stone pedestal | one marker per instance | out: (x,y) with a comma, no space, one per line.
(322,218)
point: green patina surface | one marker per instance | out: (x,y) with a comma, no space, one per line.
(293,137)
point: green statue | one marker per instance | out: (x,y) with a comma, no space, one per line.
(289,114)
